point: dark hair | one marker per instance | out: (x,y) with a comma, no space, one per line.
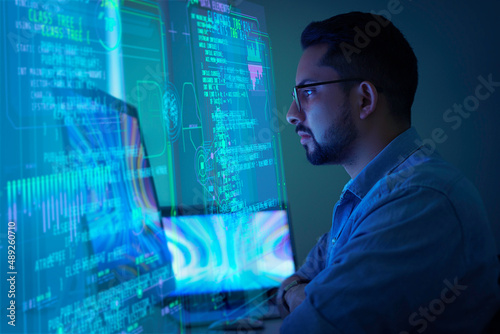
(370,47)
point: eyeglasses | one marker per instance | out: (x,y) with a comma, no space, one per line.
(306,93)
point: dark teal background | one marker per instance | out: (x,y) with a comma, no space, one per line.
(455,42)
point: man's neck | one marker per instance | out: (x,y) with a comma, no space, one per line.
(367,148)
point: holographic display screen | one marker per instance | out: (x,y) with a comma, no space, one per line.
(227,252)
(140,162)
(224,128)
(118,197)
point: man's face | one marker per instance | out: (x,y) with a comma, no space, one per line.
(324,122)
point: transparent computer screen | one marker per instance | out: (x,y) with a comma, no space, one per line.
(141,168)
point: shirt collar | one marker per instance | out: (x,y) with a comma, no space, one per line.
(388,159)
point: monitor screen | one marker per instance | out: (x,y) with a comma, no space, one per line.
(116,196)
(221,109)
(139,144)
(229,252)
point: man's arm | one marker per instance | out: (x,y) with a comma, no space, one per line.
(288,300)
(316,259)
(314,264)
(405,260)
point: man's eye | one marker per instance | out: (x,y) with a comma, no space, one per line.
(307,93)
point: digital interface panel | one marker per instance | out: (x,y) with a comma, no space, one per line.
(141,169)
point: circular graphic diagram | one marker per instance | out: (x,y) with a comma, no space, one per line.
(108,24)
(171,112)
(200,165)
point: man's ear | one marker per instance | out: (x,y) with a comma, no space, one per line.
(367,96)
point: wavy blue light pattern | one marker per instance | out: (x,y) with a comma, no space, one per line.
(231,252)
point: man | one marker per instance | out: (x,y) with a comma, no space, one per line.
(410,249)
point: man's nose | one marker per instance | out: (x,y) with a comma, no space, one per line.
(294,116)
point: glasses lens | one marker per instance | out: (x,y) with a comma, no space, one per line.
(296,97)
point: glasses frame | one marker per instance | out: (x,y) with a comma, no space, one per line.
(296,96)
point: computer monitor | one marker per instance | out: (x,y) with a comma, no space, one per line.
(229,252)
(116,196)
(226,265)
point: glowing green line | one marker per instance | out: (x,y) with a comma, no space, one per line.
(28,188)
(38,190)
(140,115)
(250,112)
(144,3)
(271,63)
(245,64)
(137,57)
(276,162)
(261,34)
(9,195)
(142,15)
(140,48)
(285,199)
(197,109)
(192,142)
(24,193)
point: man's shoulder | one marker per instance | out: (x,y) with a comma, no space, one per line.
(430,197)
(430,172)
(425,181)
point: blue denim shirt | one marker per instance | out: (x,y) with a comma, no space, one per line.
(410,251)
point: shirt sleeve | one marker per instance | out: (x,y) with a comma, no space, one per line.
(399,271)
(316,259)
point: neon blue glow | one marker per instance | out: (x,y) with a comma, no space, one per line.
(227,252)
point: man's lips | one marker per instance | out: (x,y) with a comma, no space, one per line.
(304,136)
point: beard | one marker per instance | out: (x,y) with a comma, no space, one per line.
(338,139)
